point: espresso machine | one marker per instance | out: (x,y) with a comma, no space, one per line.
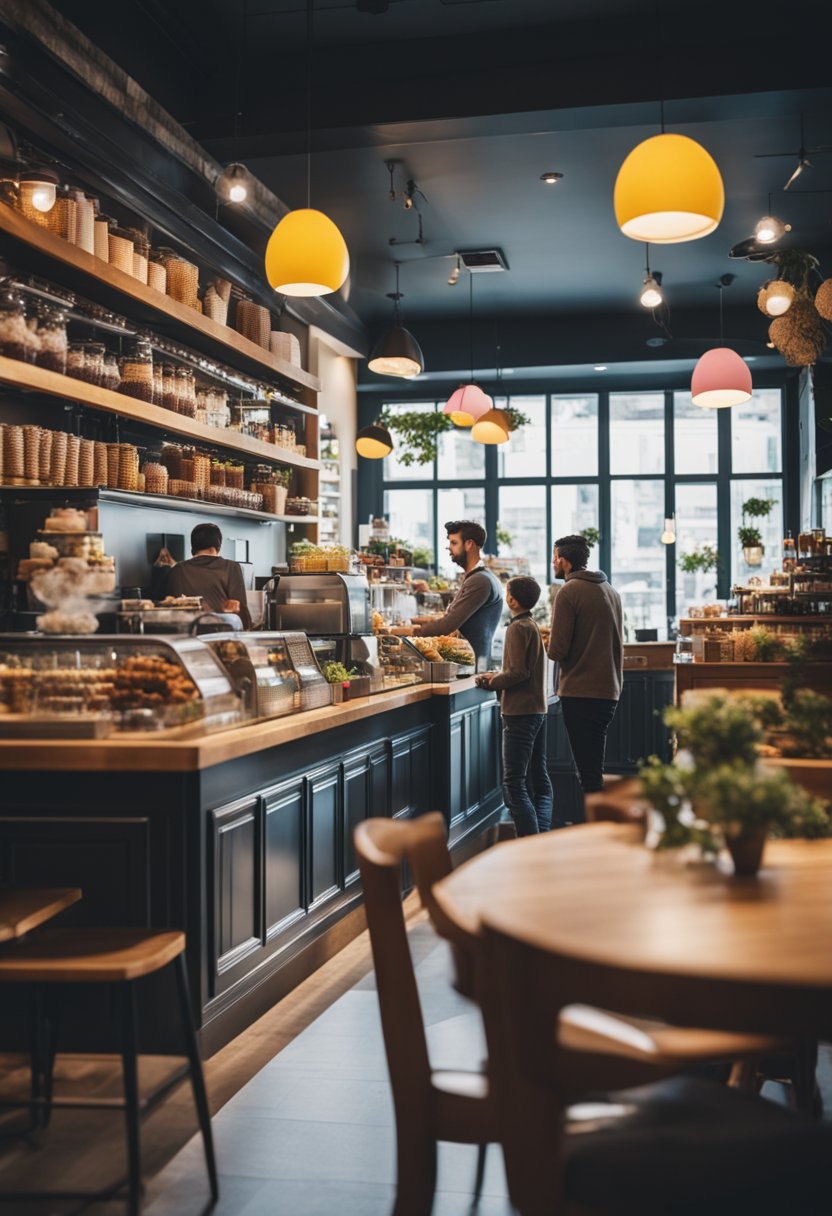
(333,607)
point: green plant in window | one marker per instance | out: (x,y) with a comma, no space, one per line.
(758,508)
(591,535)
(416,431)
(749,538)
(703,557)
(503,536)
(422,556)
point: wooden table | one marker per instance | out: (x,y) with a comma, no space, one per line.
(760,948)
(24,908)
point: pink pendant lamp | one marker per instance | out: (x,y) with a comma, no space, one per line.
(468,403)
(721,378)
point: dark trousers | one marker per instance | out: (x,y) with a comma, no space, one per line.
(527,790)
(587,720)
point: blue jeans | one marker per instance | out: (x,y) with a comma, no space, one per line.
(527,790)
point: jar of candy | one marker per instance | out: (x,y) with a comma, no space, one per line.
(112,376)
(16,338)
(94,362)
(137,371)
(53,343)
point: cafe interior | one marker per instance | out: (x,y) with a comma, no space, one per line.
(329,278)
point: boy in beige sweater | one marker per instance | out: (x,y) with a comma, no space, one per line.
(527,789)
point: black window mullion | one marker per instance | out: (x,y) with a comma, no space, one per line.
(604,496)
(723,502)
(669,504)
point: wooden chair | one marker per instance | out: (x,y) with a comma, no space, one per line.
(634,1050)
(430,1105)
(117,957)
(682,1145)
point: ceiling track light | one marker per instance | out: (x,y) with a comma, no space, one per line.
(233,185)
(769,228)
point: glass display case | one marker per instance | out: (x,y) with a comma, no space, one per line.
(66,686)
(274,673)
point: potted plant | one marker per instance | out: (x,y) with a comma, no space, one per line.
(703,557)
(591,535)
(750,537)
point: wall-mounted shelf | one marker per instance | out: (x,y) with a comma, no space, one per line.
(86,273)
(38,379)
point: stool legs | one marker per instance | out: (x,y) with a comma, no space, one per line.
(197,1078)
(131,1096)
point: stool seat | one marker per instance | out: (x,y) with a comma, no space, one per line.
(24,908)
(89,956)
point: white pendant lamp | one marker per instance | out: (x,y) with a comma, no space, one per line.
(668,190)
(668,537)
(468,403)
(306,254)
(721,378)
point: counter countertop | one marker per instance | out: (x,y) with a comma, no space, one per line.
(121,753)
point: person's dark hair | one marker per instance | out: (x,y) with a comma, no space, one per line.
(468,529)
(575,550)
(206,536)
(525,590)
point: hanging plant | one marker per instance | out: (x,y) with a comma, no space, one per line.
(417,431)
(798,335)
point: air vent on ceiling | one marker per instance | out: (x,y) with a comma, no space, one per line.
(483,261)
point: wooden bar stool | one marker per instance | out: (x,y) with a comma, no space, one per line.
(118,957)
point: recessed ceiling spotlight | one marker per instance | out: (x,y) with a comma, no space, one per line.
(551,178)
(600,367)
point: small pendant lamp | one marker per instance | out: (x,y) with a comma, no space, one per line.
(468,403)
(306,254)
(721,378)
(397,353)
(374,442)
(493,427)
(668,190)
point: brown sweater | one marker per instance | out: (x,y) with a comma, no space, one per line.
(586,638)
(521,681)
(214,578)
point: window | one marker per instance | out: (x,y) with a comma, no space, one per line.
(575,436)
(458,458)
(694,436)
(770,527)
(696,524)
(636,433)
(525,454)
(638,560)
(410,515)
(756,434)
(522,513)
(394,470)
(467,503)
(573,509)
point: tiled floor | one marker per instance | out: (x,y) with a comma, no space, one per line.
(313,1132)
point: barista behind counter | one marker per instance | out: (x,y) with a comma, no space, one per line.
(478,605)
(219,581)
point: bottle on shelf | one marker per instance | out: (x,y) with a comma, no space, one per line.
(789,553)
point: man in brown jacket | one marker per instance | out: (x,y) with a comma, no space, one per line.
(527,790)
(586,640)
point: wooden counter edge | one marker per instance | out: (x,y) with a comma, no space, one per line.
(205,751)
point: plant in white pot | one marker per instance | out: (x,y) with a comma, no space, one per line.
(750,536)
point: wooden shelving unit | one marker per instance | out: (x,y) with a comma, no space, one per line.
(39,380)
(87,272)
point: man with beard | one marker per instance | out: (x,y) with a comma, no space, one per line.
(477,607)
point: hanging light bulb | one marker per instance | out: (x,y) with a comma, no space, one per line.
(233,184)
(467,404)
(374,442)
(397,353)
(668,190)
(453,278)
(306,254)
(720,379)
(493,427)
(668,537)
(39,188)
(769,229)
(651,291)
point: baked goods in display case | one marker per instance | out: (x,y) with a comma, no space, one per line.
(446,649)
(67,571)
(94,686)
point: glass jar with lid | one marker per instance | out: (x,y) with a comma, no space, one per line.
(94,362)
(111,374)
(16,338)
(137,371)
(185,392)
(53,343)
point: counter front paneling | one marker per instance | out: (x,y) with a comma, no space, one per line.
(242,838)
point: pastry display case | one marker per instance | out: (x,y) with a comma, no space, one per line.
(90,686)
(274,673)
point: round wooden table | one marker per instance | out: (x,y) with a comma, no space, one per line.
(732,953)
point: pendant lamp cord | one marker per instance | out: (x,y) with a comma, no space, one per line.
(660,57)
(721,316)
(647,258)
(310,7)
(396,298)
(471,320)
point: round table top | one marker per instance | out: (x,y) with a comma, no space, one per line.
(595,893)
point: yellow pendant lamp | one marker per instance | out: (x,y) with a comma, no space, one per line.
(668,190)
(306,254)
(493,427)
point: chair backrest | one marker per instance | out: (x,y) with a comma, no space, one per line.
(430,861)
(381,846)
(618,802)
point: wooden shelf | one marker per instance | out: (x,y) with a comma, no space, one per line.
(205,333)
(169,502)
(40,380)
